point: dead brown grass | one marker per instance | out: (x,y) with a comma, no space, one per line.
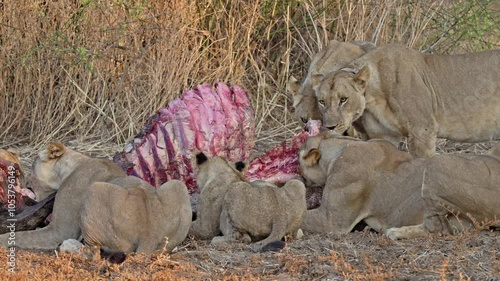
(93,71)
(358,256)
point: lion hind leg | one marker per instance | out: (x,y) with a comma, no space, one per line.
(230,234)
(316,221)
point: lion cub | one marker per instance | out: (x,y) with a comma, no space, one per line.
(97,199)
(245,211)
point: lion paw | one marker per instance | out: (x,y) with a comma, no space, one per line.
(393,233)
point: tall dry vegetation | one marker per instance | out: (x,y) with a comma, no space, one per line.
(94,70)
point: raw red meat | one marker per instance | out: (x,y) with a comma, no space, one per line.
(218,121)
(10,179)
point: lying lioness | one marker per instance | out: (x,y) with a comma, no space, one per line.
(363,180)
(463,187)
(245,211)
(96,199)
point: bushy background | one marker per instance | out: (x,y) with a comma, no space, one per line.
(93,71)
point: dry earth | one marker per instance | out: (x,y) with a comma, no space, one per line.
(363,255)
(358,256)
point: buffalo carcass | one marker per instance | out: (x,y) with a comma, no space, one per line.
(218,121)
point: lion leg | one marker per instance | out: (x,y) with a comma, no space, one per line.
(422,141)
(47,238)
(230,234)
(339,211)
(64,225)
(316,221)
(407,232)
(206,226)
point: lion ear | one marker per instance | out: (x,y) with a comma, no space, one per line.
(201,158)
(55,150)
(312,157)
(316,81)
(240,166)
(13,151)
(362,76)
(296,100)
(293,86)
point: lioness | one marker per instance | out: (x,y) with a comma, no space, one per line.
(400,92)
(331,58)
(95,197)
(251,212)
(463,187)
(363,180)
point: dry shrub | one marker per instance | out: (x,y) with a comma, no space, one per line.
(93,71)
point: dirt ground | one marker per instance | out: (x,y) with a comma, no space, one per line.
(362,255)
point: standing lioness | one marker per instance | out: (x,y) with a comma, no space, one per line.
(400,92)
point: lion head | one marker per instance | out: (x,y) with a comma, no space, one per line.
(52,166)
(309,156)
(331,58)
(341,97)
(305,106)
(211,168)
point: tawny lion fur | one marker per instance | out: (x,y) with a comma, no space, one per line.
(331,58)
(10,155)
(244,211)
(97,200)
(214,176)
(463,187)
(363,180)
(400,92)
(253,212)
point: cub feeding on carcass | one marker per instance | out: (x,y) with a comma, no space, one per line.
(244,211)
(363,180)
(97,200)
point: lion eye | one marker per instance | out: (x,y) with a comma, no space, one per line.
(321,102)
(343,100)
(304,120)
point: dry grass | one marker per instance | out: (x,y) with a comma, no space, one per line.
(93,71)
(358,256)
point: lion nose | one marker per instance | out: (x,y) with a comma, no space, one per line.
(331,127)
